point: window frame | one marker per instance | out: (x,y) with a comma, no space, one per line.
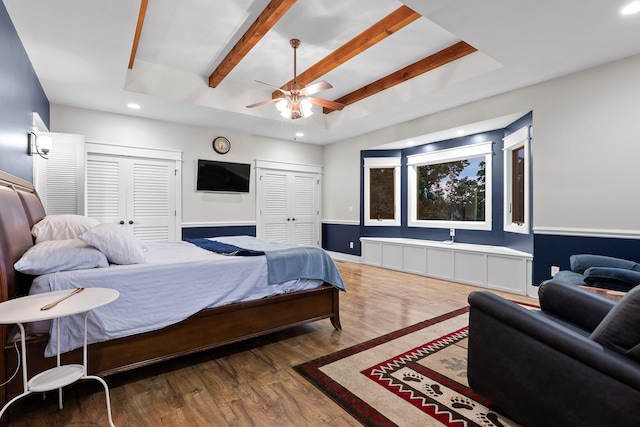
(484,149)
(517,139)
(380,163)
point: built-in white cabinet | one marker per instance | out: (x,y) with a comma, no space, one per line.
(493,267)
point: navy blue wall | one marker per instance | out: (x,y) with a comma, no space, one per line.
(237,230)
(20,95)
(337,238)
(555,250)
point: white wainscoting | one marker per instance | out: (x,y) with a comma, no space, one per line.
(493,267)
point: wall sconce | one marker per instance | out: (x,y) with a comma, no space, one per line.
(39,144)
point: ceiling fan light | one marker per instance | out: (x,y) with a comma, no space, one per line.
(286,114)
(282,105)
(306,107)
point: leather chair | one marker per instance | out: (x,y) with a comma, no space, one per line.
(601,271)
(573,362)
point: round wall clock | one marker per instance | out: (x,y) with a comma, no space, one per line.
(221,145)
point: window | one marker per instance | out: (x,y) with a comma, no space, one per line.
(382,191)
(516,182)
(451,188)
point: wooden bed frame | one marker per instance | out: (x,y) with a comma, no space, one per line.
(20,208)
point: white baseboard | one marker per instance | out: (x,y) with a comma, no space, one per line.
(339,256)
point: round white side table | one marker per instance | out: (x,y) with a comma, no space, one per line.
(28,309)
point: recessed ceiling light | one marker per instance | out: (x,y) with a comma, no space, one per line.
(460,132)
(133,106)
(631,8)
(299,134)
(410,143)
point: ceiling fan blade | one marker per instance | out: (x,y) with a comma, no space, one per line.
(268,101)
(286,92)
(326,103)
(315,88)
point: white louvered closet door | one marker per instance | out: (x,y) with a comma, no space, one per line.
(138,194)
(304,209)
(60,178)
(289,207)
(275,209)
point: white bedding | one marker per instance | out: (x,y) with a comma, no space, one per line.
(178,280)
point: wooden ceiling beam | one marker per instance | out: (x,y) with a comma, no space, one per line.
(438,59)
(267,19)
(382,29)
(136,37)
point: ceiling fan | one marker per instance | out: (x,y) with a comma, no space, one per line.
(296,102)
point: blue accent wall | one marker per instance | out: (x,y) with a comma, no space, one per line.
(236,230)
(555,250)
(20,96)
(337,237)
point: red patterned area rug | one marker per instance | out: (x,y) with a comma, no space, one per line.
(416,376)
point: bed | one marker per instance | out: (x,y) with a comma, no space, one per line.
(20,209)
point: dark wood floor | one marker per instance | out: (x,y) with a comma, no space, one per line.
(252,383)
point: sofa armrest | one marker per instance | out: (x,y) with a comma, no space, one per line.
(613,278)
(573,304)
(580,262)
(562,368)
(553,335)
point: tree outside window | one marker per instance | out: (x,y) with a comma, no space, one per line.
(382,193)
(452,191)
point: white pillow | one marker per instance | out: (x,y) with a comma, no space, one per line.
(60,255)
(59,227)
(119,246)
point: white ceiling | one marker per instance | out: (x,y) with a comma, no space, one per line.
(80,50)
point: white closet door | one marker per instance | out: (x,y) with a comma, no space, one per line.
(288,203)
(106,188)
(151,204)
(275,210)
(304,209)
(139,194)
(60,178)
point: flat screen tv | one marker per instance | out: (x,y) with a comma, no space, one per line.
(223,176)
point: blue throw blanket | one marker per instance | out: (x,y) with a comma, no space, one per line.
(284,262)
(223,248)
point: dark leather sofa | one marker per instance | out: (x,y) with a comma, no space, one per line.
(574,362)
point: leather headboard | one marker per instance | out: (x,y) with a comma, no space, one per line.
(32,206)
(15,239)
(15,231)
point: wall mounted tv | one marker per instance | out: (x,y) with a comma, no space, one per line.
(223,176)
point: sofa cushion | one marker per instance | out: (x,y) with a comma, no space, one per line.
(618,279)
(620,328)
(581,262)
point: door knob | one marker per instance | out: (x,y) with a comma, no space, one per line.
(121,222)
(130,222)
